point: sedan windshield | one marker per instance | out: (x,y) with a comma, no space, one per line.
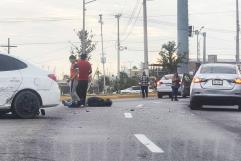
(218,70)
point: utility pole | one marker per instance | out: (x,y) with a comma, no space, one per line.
(84,9)
(146,64)
(9,46)
(103,59)
(198,48)
(238,30)
(182,34)
(198,32)
(204,47)
(118,44)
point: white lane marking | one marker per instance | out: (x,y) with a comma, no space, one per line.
(148,143)
(128,115)
(141,105)
(156,102)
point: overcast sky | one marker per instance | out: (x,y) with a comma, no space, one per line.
(43,29)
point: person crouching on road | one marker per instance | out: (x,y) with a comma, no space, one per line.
(144,83)
(73,83)
(85,71)
(175,86)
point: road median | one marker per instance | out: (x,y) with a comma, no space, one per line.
(114,96)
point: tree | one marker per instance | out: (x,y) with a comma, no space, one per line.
(134,68)
(84,37)
(169,59)
(125,81)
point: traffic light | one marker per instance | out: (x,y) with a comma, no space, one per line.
(190,31)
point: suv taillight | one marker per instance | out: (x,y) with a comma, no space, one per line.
(159,83)
(52,76)
(198,80)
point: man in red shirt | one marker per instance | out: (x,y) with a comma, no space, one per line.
(84,72)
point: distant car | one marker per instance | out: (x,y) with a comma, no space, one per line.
(64,87)
(24,88)
(216,84)
(134,90)
(131,90)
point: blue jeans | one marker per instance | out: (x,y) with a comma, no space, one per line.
(144,91)
(175,91)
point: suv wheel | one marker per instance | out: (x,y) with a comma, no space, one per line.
(159,95)
(26,105)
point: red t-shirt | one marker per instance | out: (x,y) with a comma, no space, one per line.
(72,69)
(84,69)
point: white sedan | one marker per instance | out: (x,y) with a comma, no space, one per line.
(131,90)
(24,88)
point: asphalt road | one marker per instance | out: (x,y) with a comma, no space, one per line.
(131,130)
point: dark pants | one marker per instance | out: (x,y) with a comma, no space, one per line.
(144,90)
(82,90)
(174,91)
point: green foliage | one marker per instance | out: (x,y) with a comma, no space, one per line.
(169,59)
(125,81)
(84,36)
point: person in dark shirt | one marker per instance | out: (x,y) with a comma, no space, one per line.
(85,71)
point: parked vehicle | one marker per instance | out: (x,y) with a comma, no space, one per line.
(164,86)
(133,89)
(24,88)
(64,87)
(216,84)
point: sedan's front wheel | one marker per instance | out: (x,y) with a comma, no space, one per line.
(26,105)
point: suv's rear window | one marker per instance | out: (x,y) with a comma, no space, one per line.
(167,77)
(218,70)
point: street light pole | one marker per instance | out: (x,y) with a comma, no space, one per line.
(84,9)
(204,47)
(118,44)
(238,30)
(198,32)
(84,32)
(103,59)
(146,66)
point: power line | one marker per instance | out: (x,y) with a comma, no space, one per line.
(133,13)
(131,29)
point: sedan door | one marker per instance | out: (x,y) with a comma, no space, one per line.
(10,78)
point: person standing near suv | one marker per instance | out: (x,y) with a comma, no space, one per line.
(85,71)
(175,86)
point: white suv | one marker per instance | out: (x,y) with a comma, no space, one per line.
(24,88)
(164,86)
